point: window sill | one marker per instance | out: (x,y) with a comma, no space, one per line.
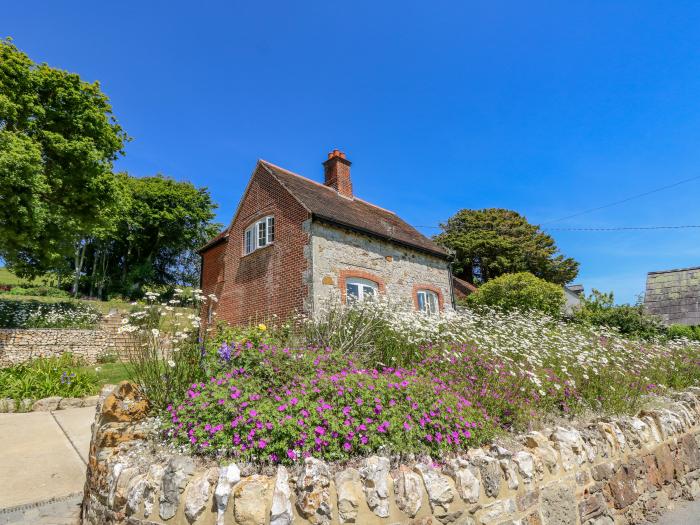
(257,250)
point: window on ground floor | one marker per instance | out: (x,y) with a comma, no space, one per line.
(357,289)
(428,301)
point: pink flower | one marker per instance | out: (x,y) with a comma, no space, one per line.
(291,454)
(252,413)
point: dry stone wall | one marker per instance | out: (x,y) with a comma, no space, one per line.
(20,345)
(609,471)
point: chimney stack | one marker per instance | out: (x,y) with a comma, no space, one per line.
(337,173)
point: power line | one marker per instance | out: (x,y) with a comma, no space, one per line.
(588,228)
(611,204)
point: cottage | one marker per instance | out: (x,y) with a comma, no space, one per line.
(674,296)
(295,243)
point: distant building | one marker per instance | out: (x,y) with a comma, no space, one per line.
(572,294)
(674,295)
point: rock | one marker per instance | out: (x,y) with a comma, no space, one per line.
(250,497)
(155,476)
(119,495)
(526,465)
(197,495)
(527,499)
(90,401)
(313,497)
(177,472)
(135,493)
(622,487)
(124,404)
(70,402)
(7,404)
(497,512)
(558,504)
(603,471)
(374,474)
(592,506)
(570,445)
(25,405)
(439,490)
(47,404)
(281,511)
(466,481)
(348,486)
(409,491)
(508,468)
(228,477)
(490,475)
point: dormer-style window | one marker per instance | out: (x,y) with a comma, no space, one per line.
(259,234)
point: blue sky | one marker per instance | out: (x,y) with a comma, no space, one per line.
(547,108)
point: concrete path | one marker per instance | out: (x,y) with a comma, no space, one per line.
(42,465)
(685,513)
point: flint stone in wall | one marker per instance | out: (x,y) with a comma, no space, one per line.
(497,512)
(375,475)
(313,497)
(526,465)
(250,499)
(197,495)
(409,491)
(281,511)
(135,493)
(570,445)
(440,493)
(490,474)
(119,495)
(155,476)
(614,438)
(177,472)
(466,480)
(348,486)
(228,477)
(508,468)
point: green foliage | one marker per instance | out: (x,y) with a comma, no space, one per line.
(63,376)
(491,242)
(35,314)
(58,139)
(676,331)
(599,309)
(38,291)
(520,291)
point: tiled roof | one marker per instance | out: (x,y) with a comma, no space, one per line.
(324,203)
(220,237)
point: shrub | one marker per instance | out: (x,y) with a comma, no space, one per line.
(38,291)
(599,309)
(520,291)
(165,354)
(34,314)
(676,331)
(45,377)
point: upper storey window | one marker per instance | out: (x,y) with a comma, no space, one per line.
(259,234)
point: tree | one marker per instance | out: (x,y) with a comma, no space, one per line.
(520,291)
(493,241)
(58,140)
(154,237)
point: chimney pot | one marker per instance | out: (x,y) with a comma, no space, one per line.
(337,173)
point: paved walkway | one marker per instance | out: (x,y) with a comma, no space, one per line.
(42,465)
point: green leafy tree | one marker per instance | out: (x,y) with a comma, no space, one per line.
(154,237)
(599,309)
(521,291)
(58,140)
(493,241)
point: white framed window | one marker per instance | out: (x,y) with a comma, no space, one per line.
(428,301)
(259,234)
(357,289)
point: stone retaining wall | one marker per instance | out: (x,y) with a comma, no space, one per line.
(621,471)
(18,345)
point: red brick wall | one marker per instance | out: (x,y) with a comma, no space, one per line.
(268,281)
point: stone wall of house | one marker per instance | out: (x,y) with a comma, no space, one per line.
(607,471)
(18,345)
(674,296)
(337,254)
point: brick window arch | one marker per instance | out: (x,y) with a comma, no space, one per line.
(430,288)
(345,275)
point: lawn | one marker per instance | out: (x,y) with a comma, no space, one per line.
(108,373)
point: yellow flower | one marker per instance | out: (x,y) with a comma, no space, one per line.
(262,327)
